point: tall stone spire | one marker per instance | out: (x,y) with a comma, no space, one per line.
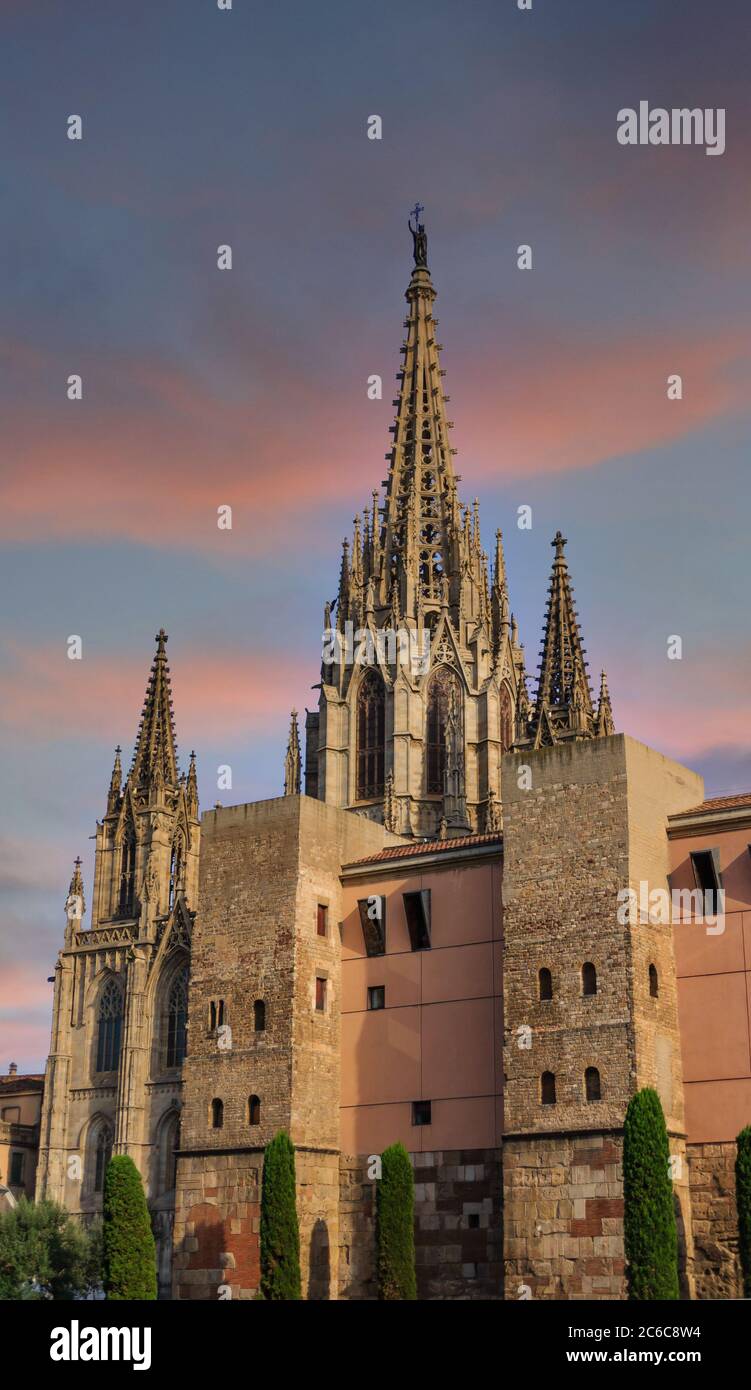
(292,761)
(116,782)
(191,788)
(604,723)
(563,705)
(155,755)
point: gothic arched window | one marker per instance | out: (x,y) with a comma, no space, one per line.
(507,719)
(546,983)
(127,896)
(175,870)
(589,978)
(592,1084)
(177,1019)
(371,725)
(109,1027)
(439,690)
(102,1155)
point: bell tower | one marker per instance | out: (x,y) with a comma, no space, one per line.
(421,662)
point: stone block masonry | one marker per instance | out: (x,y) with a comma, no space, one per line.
(717,1271)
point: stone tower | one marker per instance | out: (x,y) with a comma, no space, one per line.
(114,1071)
(585,1023)
(419,627)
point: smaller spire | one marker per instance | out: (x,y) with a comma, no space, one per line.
(191,787)
(116,782)
(604,723)
(292,762)
(75,905)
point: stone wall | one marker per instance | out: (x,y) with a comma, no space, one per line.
(715,1221)
(563,1217)
(458,1235)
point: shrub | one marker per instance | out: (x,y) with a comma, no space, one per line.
(280,1236)
(128,1241)
(651,1239)
(395,1232)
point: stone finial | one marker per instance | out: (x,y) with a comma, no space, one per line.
(292,761)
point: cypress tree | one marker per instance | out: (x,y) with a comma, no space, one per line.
(395,1229)
(651,1238)
(280,1236)
(127,1238)
(743,1202)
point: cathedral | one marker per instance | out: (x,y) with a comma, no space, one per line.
(423,946)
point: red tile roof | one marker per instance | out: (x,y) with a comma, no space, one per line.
(428,847)
(720,803)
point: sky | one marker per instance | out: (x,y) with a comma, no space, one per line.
(205,388)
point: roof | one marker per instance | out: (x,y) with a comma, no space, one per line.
(415,847)
(32,1082)
(738,801)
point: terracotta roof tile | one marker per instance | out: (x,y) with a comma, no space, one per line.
(719,803)
(427,847)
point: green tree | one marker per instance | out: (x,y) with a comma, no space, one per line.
(651,1238)
(395,1226)
(128,1242)
(280,1236)
(743,1202)
(46,1254)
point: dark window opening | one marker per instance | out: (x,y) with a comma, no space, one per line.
(126,900)
(371,742)
(259,1016)
(592,1083)
(322,920)
(589,978)
(473,1221)
(377,997)
(216,1014)
(102,1156)
(373,922)
(707,876)
(439,693)
(320,994)
(177,1020)
(654,984)
(110,1028)
(547,1088)
(254,1110)
(546,983)
(217,1114)
(16,1169)
(417,912)
(421,1112)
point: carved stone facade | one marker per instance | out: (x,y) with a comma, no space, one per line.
(114,1073)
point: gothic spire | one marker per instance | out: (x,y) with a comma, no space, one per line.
(75,905)
(563,705)
(604,724)
(292,764)
(191,788)
(155,754)
(116,781)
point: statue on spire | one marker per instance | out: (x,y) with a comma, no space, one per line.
(419,236)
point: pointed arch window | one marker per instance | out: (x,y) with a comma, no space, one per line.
(109,1027)
(439,690)
(507,719)
(127,895)
(371,726)
(177,1019)
(102,1155)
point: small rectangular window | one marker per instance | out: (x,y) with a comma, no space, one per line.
(377,997)
(421,1112)
(11,1114)
(16,1169)
(322,920)
(320,994)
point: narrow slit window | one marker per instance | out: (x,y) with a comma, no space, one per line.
(545,980)
(547,1088)
(377,997)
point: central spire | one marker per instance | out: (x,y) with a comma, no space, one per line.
(155,754)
